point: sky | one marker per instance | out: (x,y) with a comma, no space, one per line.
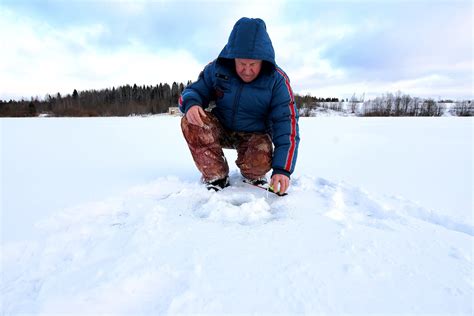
(328,48)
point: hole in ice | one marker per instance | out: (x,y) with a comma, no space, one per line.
(238,200)
(239,208)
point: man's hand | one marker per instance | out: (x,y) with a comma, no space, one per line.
(280,183)
(195,115)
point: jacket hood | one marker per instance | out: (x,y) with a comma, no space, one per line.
(249,40)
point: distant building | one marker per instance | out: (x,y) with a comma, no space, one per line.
(174,110)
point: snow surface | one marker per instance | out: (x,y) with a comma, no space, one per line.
(107,216)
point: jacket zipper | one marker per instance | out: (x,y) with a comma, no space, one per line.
(236,103)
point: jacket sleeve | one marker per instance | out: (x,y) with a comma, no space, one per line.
(285,130)
(199,92)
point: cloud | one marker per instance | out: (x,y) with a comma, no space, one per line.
(337,48)
(61,46)
(328,48)
(42,59)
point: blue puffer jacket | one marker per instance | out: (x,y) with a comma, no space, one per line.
(265,105)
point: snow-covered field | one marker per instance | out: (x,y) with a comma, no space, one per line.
(107,216)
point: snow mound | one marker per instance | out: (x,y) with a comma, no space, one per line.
(235,207)
(350,205)
(171,246)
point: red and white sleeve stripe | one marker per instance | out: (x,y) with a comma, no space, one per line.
(292,108)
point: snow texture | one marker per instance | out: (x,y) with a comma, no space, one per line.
(169,246)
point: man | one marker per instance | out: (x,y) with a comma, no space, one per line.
(254,107)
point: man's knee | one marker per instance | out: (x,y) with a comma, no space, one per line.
(201,136)
(262,144)
(255,158)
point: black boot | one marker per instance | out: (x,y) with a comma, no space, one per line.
(218,184)
(260,182)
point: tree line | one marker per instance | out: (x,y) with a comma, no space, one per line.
(121,101)
(141,100)
(389,104)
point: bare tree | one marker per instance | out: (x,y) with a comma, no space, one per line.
(405,103)
(397,103)
(388,104)
(353,103)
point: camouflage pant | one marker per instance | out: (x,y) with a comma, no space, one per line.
(254,151)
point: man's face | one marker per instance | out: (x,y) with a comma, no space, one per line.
(248,69)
